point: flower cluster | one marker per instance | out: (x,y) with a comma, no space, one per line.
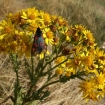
(73,48)
(17,30)
(83,56)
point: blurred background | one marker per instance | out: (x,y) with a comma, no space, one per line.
(89,13)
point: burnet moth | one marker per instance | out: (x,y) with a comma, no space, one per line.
(38,43)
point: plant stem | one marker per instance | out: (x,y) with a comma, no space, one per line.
(55,67)
(17,80)
(32,67)
(48,85)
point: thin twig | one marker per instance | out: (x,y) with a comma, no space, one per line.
(6,99)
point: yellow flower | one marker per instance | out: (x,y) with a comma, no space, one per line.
(69,71)
(100,80)
(73,64)
(100,56)
(78,50)
(48,35)
(59,60)
(88,35)
(40,22)
(32,27)
(63,27)
(80,27)
(53,18)
(87,60)
(68,34)
(25,46)
(30,14)
(42,54)
(25,49)
(88,88)
(17,36)
(46,17)
(6,27)
(89,39)
(13,47)
(62,21)
(59,71)
(16,18)
(2,36)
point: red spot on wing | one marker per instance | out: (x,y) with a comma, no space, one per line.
(35,45)
(36,38)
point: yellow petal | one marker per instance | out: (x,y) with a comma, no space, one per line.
(1,27)
(44,35)
(46,40)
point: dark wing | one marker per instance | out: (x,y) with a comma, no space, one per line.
(38,44)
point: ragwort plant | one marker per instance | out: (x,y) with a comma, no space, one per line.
(64,52)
